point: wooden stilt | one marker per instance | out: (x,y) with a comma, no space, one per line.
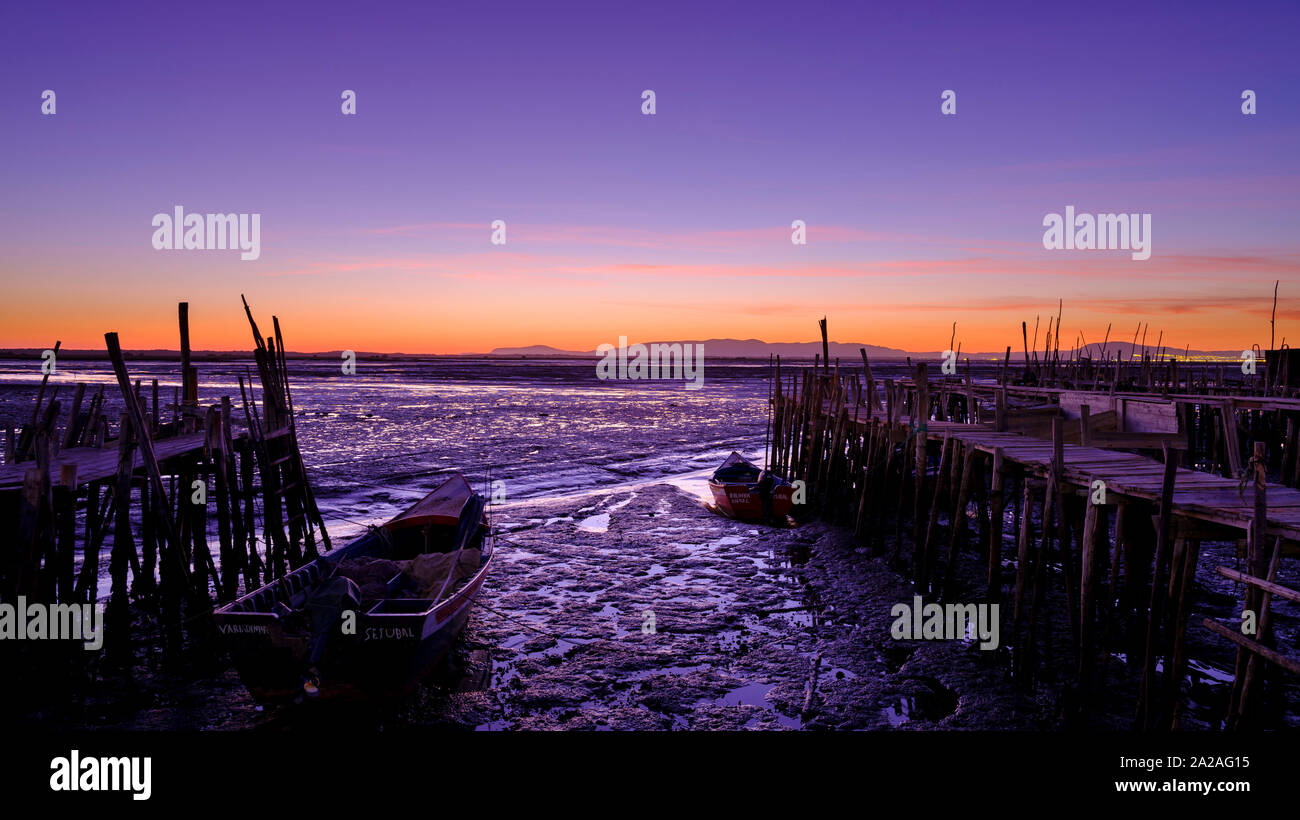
(117,637)
(1022,545)
(997,510)
(957,529)
(1146,702)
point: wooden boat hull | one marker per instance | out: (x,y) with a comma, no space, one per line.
(735,491)
(404,647)
(743,502)
(394,644)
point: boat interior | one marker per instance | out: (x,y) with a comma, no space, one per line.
(740,472)
(399,540)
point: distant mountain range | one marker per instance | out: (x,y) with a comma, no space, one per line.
(846,352)
(731,349)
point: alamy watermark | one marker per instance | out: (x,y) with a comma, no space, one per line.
(208,232)
(35,621)
(1102,232)
(655,361)
(946,622)
(75,773)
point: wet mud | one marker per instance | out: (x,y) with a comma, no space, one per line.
(643,609)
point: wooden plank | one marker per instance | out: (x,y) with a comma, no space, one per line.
(1276,589)
(1289,664)
(95,464)
(1206,497)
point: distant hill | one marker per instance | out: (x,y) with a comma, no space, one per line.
(732,349)
(537,350)
(848,351)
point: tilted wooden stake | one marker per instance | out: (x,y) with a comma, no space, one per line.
(145,442)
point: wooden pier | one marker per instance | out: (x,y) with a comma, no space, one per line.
(158,485)
(927,470)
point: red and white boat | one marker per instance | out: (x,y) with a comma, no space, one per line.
(735,488)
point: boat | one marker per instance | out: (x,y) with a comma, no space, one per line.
(371,618)
(736,491)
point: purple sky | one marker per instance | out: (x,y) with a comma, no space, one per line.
(375,226)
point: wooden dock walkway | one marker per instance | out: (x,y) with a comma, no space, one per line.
(1198,495)
(99,463)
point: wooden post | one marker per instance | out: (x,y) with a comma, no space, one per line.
(920,423)
(941,480)
(872,406)
(1258,559)
(145,444)
(879,507)
(868,474)
(1022,544)
(36,529)
(1184,595)
(29,510)
(189,382)
(1039,595)
(1087,599)
(118,617)
(1263,637)
(1256,563)
(253,570)
(95,515)
(1232,446)
(27,437)
(204,568)
(826,350)
(1155,612)
(1063,539)
(997,509)
(230,563)
(65,513)
(957,519)
(74,416)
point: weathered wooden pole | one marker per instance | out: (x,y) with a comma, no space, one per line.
(145,443)
(997,509)
(1093,522)
(920,425)
(74,415)
(65,514)
(1024,536)
(117,635)
(826,350)
(1184,595)
(1155,612)
(1257,564)
(942,478)
(957,519)
(216,446)
(1068,571)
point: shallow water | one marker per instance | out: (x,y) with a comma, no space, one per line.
(375,442)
